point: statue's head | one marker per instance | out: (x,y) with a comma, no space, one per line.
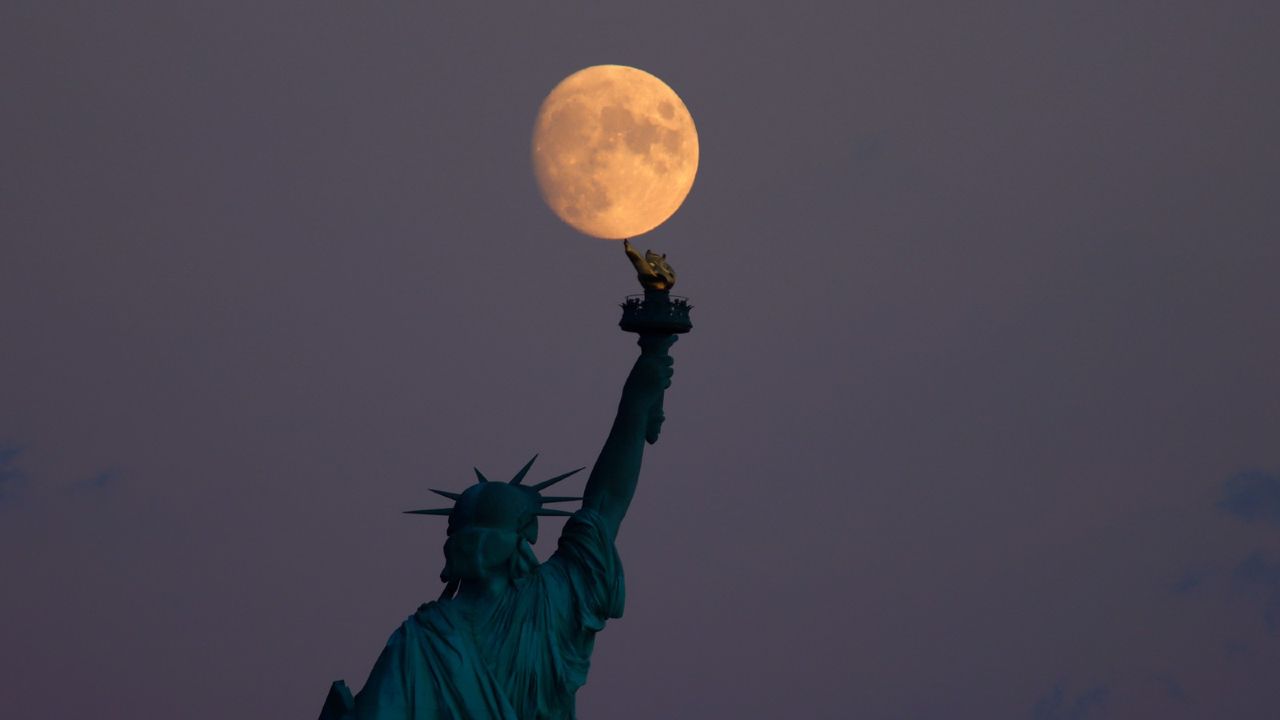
(487,527)
(492,525)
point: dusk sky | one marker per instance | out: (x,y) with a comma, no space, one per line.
(979,419)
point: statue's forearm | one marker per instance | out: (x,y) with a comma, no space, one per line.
(613,479)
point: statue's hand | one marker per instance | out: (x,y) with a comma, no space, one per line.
(649,377)
(656,344)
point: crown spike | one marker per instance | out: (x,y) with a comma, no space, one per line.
(544,499)
(445,493)
(550,511)
(480,476)
(433,511)
(524,470)
(548,483)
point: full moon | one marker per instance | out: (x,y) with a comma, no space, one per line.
(614,150)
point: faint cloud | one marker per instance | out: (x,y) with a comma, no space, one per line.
(1260,575)
(10,475)
(1253,496)
(1055,705)
(104,479)
(1187,583)
(1172,688)
(1233,649)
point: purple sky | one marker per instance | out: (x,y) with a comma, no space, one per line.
(980,417)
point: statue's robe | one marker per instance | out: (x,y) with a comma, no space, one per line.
(522,658)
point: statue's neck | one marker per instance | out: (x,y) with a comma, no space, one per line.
(481,590)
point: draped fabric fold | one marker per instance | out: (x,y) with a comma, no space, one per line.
(521,658)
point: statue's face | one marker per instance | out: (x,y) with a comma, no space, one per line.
(478,553)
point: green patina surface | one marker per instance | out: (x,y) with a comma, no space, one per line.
(511,639)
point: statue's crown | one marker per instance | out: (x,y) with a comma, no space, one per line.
(510,505)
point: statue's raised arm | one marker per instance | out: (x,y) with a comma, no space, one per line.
(617,470)
(510,637)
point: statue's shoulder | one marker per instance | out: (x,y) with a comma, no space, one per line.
(429,611)
(432,618)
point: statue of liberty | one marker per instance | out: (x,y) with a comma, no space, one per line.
(511,638)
